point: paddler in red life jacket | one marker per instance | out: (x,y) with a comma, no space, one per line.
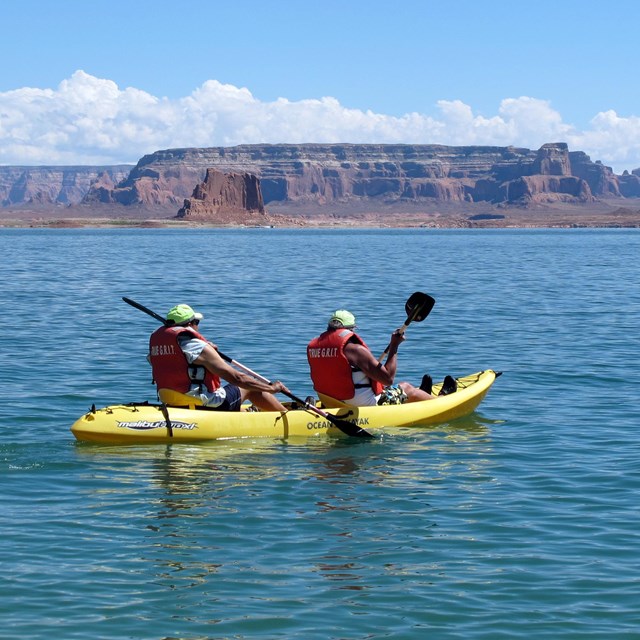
(343,367)
(184,361)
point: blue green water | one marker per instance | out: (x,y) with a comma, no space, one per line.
(520,521)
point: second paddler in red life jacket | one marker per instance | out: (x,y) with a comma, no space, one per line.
(331,371)
(170,366)
(343,367)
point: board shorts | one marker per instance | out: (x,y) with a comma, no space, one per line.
(233,399)
(227,398)
(392,395)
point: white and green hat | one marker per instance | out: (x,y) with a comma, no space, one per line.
(345,317)
(182,314)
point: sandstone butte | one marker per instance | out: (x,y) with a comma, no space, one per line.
(330,184)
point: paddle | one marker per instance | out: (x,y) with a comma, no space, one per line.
(347,427)
(417,308)
(137,305)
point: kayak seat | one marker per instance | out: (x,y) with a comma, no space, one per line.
(176,399)
(331,403)
(182,401)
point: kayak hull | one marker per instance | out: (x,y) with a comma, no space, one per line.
(144,423)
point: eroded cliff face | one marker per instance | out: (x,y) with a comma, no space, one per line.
(382,174)
(322,174)
(225,199)
(333,174)
(630,184)
(56,185)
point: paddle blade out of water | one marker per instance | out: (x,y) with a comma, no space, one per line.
(417,308)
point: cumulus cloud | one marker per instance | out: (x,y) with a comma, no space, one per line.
(89,120)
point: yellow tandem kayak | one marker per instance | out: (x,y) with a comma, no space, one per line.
(145,423)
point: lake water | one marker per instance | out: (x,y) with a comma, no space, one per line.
(520,521)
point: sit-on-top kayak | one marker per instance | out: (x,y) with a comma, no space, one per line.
(144,423)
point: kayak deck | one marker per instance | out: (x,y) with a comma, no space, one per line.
(145,423)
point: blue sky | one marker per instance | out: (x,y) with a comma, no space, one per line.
(102,83)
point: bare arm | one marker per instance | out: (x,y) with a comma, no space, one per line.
(211,360)
(362,358)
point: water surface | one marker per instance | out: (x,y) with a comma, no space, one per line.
(519,521)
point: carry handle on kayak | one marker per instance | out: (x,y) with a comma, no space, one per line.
(347,427)
(417,308)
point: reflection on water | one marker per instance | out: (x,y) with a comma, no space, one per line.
(333,469)
(202,507)
(349,572)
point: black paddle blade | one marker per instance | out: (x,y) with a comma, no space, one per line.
(348,428)
(419,306)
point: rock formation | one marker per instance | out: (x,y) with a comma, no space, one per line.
(55,185)
(316,176)
(225,198)
(629,184)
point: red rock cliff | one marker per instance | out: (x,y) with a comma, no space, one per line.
(371,175)
(380,174)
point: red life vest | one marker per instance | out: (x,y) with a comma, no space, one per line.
(331,372)
(169,364)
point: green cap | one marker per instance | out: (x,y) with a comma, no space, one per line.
(182,314)
(347,318)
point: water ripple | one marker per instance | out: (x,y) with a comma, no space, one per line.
(516,522)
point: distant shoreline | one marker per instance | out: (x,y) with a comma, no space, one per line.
(614,213)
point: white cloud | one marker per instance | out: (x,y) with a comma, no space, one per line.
(89,120)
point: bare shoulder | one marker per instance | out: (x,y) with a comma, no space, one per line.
(357,352)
